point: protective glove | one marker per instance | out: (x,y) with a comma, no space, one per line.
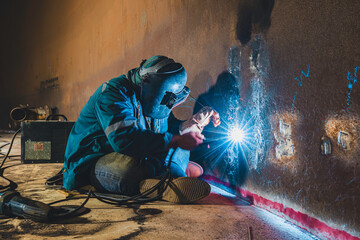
(198,121)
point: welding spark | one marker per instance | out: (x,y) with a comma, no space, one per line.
(237,135)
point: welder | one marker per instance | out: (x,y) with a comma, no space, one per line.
(126,134)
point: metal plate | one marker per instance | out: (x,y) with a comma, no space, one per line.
(37,150)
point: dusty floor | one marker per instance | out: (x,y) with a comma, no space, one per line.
(218,216)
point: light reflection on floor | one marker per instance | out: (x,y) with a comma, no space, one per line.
(283,225)
(269,218)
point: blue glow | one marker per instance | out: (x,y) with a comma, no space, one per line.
(287,229)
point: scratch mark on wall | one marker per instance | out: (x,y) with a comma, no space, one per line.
(300,83)
(351,80)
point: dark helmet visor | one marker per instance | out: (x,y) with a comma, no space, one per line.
(173,99)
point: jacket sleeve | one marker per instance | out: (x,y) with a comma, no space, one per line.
(115,113)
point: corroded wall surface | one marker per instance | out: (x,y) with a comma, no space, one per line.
(301,91)
(313,94)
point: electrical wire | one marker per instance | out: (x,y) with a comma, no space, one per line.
(140,198)
(71,213)
(10,185)
(11,143)
(4,145)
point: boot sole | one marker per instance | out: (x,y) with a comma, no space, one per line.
(180,190)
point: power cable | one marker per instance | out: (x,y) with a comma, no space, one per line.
(140,198)
(58,213)
(11,143)
(10,185)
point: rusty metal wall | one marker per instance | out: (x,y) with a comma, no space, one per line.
(305,93)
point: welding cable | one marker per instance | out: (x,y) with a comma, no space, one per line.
(9,186)
(11,143)
(4,145)
(66,199)
(72,212)
(11,156)
(116,199)
(136,199)
(141,197)
(110,200)
(125,199)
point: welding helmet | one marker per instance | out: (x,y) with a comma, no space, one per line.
(162,86)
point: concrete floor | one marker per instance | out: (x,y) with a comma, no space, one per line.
(221,215)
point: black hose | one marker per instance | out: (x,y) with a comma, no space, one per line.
(71,213)
(11,143)
(4,145)
(140,198)
(136,199)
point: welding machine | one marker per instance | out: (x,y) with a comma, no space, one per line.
(44,141)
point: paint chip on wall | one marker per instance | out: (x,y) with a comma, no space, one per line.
(344,131)
(285,147)
(344,139)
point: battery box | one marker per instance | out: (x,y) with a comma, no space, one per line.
(44,141)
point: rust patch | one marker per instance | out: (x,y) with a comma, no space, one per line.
(343,131)
(284,150)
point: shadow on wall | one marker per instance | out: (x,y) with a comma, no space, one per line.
(219,154)
(222,156)
(253,17)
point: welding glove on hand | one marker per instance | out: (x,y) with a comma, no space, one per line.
(190,131)
(198,121)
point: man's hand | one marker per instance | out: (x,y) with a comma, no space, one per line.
(215,119)
(187,141)
(198,121)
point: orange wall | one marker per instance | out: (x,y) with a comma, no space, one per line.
(87,42)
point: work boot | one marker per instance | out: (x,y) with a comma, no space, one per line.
(180,190)
(194,170)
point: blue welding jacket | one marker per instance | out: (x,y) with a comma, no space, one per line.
(112,121)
